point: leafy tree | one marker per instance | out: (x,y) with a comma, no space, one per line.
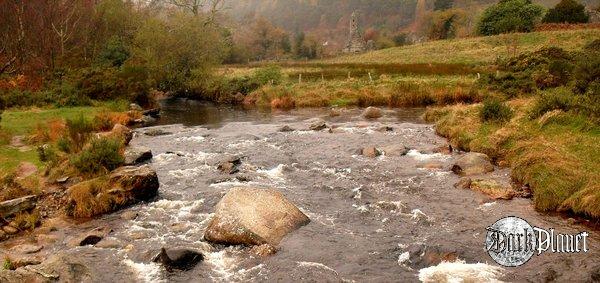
(445,24)
(179,51)
(115,53)
(567,11)
(510,16)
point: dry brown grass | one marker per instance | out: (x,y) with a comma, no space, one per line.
(558,161)
(11,188)
(90,198)
(27,220)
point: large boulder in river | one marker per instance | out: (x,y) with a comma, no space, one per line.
(134,183)
(395,150)
(137,154)
(372,113)
(473,163)
(178,259)
(250,216)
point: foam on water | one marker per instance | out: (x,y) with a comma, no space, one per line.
(459,271)
(316,265)
(417,155)
(146,272)
(190,139)
(190,172)
(275,174)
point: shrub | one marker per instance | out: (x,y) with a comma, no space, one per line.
(509,16)
(567,11)
(102,155)
(115,53)
(401,39)
(559,99)
(494,110)
(587,74)
(79,131)
(266,75)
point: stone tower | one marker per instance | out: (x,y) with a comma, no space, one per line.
(355,44)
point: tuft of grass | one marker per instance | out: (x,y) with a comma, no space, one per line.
(7,264)
(27,220)
(90,198)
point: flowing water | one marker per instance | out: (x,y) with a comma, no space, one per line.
(384,219)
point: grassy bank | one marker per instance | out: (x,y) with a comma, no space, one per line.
(478,50)
(31,124)
(556,155)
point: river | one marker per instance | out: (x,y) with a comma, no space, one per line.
(381,219)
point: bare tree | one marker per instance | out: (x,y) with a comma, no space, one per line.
(66,26)
(10,59)
(212,7)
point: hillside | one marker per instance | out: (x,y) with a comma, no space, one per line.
(477,50)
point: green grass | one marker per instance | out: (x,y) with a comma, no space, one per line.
(475,51)
(22,122)
(18,122)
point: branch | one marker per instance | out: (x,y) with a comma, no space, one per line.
(7,65)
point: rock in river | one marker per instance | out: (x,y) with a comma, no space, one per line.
(251,216)
(123,187)
(318,125)
(372,113)
(137,154)
(371,152)
(178,259)
(473,163)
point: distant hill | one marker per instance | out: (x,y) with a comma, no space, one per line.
(306,15)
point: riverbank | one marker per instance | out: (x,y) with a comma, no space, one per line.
(556,155)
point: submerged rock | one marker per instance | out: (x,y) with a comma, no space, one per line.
(464,183)
(155,112)
(137,154)
(473,163)
(395,150)
(178,259)
(14,206)
(370,152)
(90,238)
(263,250)
(251,216)
(372,113)
(286,129)
(156,133)
(493,189)
(26,249)
(318,125)
(230,165)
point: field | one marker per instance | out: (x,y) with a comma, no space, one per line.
(23,123)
